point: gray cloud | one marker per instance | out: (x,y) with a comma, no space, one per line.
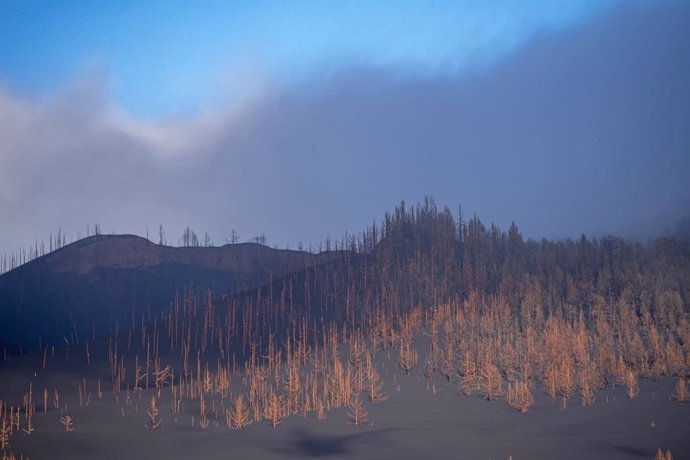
(586,130)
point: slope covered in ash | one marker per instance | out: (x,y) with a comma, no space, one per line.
(83,289)
(444,318)
(423,256)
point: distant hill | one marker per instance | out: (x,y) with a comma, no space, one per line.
(83,288)
(129,251)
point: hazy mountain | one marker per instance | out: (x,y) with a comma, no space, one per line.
(84,288)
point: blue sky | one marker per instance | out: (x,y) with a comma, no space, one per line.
(172,58)
(301,120)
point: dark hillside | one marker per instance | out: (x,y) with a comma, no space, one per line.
(422,256)
(83,289)
(128,251)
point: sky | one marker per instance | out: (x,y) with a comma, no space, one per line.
(173,58)
(301,120)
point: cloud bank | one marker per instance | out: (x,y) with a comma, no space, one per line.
(580,131)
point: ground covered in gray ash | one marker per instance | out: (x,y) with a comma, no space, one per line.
(425,337)
(421,418)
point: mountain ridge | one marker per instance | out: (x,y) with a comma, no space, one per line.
(90,284)
(132,251)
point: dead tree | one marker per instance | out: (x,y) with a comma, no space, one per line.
(162,376)
(376,393)
(468,374)
(154,419)
(240,415)
(520,396)
(632,386)
(566,382)
(203,419)
(491,381)
(357,414)
(4,435)
(661,456)
(273,409)
(67,422)
(680,393)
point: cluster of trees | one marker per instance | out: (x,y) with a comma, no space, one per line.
(23,255)
(14,259)
(424,257)
(504,317)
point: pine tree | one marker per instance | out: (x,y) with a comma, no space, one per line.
(357,414)
(240,414)
(491,381)
(631,384)
(680,393)
(154,419)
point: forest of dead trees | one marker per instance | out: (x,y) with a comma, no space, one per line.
(501,317)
